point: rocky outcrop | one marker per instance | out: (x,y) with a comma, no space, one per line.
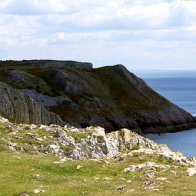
(89,143)
(19,107)
(110,97)
(45,100)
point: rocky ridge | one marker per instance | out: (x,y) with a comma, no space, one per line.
(123,161)
(110,97)
(89,143)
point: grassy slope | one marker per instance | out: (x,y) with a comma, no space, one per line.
(18,174)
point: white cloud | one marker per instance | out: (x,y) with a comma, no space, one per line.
(145,32)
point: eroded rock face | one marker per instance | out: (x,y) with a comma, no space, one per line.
(21,108)
(92,142)
(111,97)
(45,100)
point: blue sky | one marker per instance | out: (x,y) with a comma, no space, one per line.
(141,34)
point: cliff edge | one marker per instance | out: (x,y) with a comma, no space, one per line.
(111,97)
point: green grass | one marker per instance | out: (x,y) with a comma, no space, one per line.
(79,135)
(19,170)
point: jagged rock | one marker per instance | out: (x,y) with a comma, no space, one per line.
(63,138)
(149,165)
(178,157)
(54,149)
(3,120)
(97,144)
(14,146)
(21,108)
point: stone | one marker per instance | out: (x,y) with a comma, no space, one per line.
(39,139)
(3,120)
(149,165)
(107,179)
(54,149)
(74,130)
(131,191)
(79,167)
(148,183)
(191,171)
(13,146)
(38,191)
(33,126)
(173,172)
(63,138)
(120,188)
(162,179)
(31,135)
(45,127)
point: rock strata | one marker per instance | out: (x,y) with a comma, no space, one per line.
(21,108)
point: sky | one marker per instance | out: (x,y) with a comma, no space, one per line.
(140,34)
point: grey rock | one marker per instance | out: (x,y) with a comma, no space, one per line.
(45,100)
(36,191)
(120,188)
(191,171)
(149,165)
(63,138)
(21,108)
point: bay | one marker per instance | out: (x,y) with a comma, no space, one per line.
(180,88)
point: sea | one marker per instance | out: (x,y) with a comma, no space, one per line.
(180,88)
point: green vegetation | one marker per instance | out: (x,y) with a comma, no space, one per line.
(23,173)
(26,171)
(79,135)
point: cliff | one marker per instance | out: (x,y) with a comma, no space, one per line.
(19,107)
(111,97)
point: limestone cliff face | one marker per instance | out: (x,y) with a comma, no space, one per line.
(21,108)
(111,97)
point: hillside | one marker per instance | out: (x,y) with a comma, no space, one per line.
(54,160)
(81,96)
